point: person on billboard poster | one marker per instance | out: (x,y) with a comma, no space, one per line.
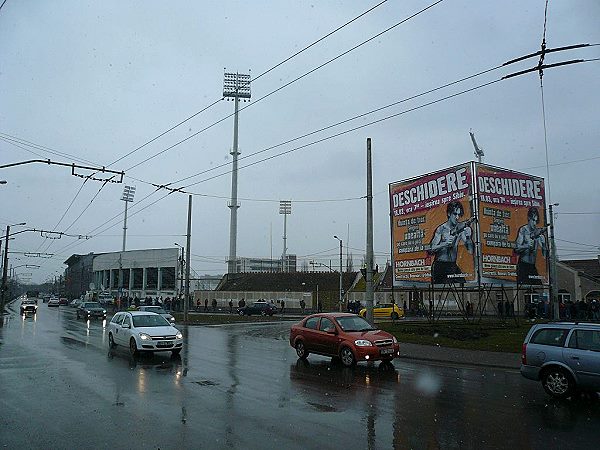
(530,238)
(444,245)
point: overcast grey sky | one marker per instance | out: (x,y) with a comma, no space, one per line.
(98,79)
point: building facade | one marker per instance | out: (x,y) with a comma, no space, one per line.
(78,275)
(138,273)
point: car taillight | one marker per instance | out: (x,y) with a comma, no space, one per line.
(524,354)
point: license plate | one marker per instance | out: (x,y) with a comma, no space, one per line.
(387,351)
(164,344)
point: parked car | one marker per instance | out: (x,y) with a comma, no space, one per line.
(143,331)
(88,310)
(63,301)
(28,306)
(384,310)
(53,301)
(259,307)
(342,335)
(565,357)
(158,310)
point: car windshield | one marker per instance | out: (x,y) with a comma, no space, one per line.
(91,305)
(353,323)
(28,302)
(150,320)
(155,309)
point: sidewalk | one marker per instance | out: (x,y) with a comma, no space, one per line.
(460,356)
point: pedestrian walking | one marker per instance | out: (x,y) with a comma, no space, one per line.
(302,305)
(319,306)
(214,304)
(198,305)
(282,306)
(230,306)
(205,305)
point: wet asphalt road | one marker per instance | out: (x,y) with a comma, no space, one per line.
(241,386)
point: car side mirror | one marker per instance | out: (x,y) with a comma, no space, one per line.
(126,325)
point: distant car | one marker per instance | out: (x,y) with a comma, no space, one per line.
(28,306)
(75,303)
(384,310)
(342,335)
(46,298)
(53,301)
(88,310)
(565,357)
(158,310)
(262,308)
(63,301)
(143,331)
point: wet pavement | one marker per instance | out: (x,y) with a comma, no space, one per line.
(241,386)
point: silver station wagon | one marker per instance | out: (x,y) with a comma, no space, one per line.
(565,357)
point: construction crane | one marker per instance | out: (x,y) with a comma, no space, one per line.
(478,150)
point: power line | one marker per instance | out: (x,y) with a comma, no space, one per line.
(287,84)
(256,78)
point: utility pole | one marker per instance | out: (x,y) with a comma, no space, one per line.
(4,269)
(187,261)
(341,278)
(369,278)
(553,279)
(236,86)
(285,208)
(4,286)
(128,194)
(478,151)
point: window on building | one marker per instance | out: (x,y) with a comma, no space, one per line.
(152,278)
(138,278)
(167,278)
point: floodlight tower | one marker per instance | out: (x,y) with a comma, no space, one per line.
(128,193)
(285,208)
(236,86)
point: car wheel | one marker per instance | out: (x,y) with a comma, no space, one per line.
(241,313)
(301,350)
(395,315)
(557,382)
(347,357)
(133,347)
(175,352)
(111,341)
(264,313)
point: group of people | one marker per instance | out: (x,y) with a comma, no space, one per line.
(580,310)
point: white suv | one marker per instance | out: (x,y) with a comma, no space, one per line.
(144,332)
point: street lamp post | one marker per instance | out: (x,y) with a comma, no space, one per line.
(285,208)
(341,286)
(4,271)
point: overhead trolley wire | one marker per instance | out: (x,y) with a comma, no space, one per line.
(287,84)
(254,80)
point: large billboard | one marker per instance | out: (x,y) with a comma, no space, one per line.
(512,218)
(433,228)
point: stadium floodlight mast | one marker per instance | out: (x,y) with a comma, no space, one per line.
(235,86)
(285,208)
(128,194)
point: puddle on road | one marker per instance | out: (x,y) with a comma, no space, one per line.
(206,383)
(322,408)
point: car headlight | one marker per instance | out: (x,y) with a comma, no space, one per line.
(363,343)
(179,335)
(145,337)
(103,311)
(394,340)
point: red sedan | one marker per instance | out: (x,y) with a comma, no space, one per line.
(342,335)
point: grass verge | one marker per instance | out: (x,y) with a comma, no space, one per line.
(490,336)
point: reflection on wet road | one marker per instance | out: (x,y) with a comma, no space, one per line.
(241,386)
